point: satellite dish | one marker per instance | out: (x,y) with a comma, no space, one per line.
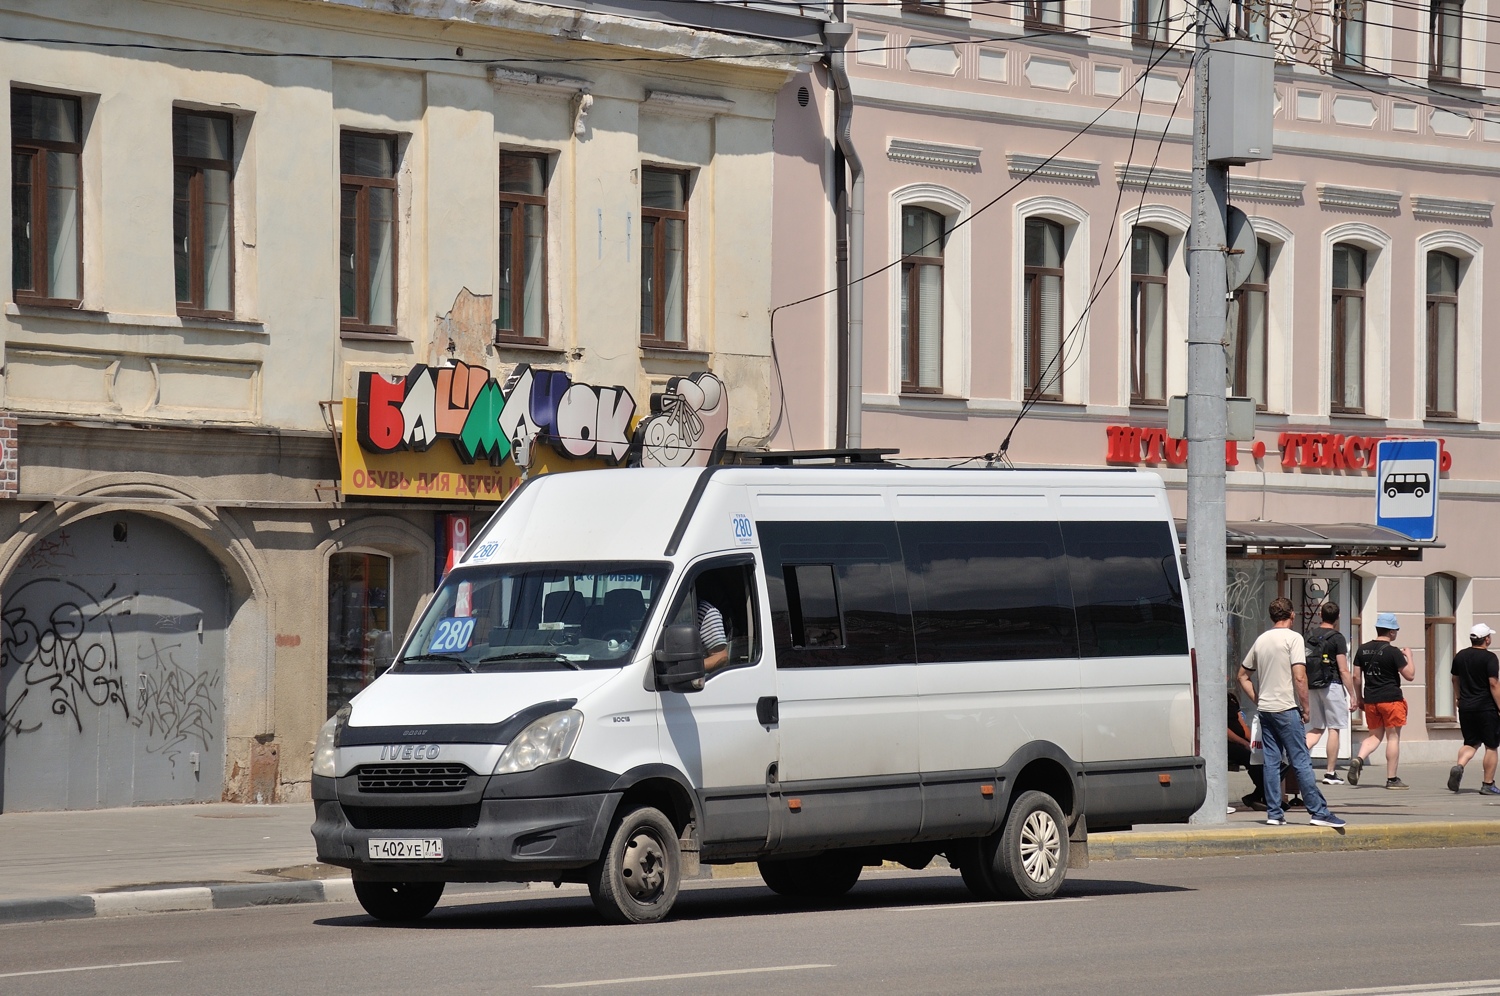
(1243,248)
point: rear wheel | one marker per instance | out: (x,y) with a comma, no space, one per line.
(822,876)
(637,879)
(1031,856)
(398,902)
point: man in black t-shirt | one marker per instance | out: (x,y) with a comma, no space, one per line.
(1379,667)
(1476,688)
(1328,707)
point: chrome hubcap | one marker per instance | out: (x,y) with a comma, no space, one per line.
(644,867)
(1041,847)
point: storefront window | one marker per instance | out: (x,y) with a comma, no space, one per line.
(359,623)
(1441,607)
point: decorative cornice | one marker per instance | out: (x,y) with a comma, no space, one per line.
(1359,199)
(565,86)
(1448,209)
(1248,188)
(1168,181)
(960,157)
(690,105)
(1061,170)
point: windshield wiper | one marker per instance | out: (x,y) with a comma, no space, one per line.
(449,658)
(532,655)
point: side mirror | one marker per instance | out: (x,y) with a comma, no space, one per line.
(679,659)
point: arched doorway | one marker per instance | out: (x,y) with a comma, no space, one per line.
(112,669)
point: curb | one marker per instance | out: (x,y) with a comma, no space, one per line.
(1223,842)
(201,897)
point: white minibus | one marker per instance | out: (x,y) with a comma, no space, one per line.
(818,669)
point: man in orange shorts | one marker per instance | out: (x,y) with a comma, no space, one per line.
(1379,667)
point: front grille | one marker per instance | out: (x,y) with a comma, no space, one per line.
(413,817)
(413,777)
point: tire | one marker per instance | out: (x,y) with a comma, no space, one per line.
(398,902)
(1031,856)
(637,878)
(1419,492)
(1390,492)
(823,876)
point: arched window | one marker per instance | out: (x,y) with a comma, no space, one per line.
(1148,316)
(1247,330)
(1044,306)
(1447,39)
(360,642)
(922,238)
(1349,275)
(1442,335)
(1441,600)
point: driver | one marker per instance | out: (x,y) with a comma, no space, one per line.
(711,632)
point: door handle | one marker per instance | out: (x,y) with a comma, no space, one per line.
(767,710)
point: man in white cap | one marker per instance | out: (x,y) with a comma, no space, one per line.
(1379,668)
(1476,688)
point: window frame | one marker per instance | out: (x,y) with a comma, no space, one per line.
(1434,303)
(657,339)
(1144,29)
(1240,372)
(1136,354)
(37,149)
(1338,375)
(1342,15)
(516,203)
(1440,11)
(193,308)
(911,286)
(1036,11)
(1032,324)
(362,185)
(746,563)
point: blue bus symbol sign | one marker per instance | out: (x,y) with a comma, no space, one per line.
(1406,479)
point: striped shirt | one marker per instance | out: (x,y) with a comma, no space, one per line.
(711,627)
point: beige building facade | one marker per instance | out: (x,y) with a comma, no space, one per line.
(212,248)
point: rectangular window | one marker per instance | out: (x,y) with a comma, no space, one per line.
(1148,316)
(720,600)
(367,232)
(989,591)
(1045,14)
(1151,24)
(1254,17)
(1348,328)
(1126,587)
(866,596)
(1349,34)
(1442,335)
(1043,303)
(1441,605)
(1247,331)
(664,219)
(359,623)
(922,236)
(522,298)
(1447,40)
(46,240)
(203,213)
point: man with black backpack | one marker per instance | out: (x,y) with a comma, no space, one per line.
(1328,684)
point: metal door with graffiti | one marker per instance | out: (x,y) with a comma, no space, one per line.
(1308,590)
(112,670)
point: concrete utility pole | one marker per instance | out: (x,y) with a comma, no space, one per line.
(1208,425)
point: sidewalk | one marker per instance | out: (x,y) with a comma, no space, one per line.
(117,861)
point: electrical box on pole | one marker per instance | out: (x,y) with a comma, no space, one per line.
(1241,100)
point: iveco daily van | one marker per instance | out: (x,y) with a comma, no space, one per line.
(815,668)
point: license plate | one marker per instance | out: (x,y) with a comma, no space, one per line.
(424,849)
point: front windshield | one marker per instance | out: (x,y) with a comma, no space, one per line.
(534,617)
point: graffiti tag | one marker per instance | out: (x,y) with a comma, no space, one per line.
(173,704)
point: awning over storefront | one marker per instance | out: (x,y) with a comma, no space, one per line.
(1336,541)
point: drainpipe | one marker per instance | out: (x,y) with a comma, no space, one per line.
(849,205)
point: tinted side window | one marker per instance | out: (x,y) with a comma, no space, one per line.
(869,592)
(813,600)
(989,591)
(1126,587)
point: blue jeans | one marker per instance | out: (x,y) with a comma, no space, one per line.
(1282,733)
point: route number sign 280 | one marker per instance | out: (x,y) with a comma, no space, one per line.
(452,635)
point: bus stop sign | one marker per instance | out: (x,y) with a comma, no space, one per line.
(1406,476)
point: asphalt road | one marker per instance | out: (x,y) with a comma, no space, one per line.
(1409,922)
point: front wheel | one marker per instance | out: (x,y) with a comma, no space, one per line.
(398,902)
(1032,854)
(1390,492)
(637,878)
(1419,492)
(823,876)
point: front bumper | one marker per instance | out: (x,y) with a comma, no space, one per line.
(511,839)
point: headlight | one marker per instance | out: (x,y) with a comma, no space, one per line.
(325,754)
(550,738)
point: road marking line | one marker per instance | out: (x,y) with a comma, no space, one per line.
(685,975)
(1494,924)
(1473,987)
(89,968)
(982,905)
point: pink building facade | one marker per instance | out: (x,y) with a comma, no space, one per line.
(1026,204)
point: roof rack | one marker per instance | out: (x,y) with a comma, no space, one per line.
(788,458)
